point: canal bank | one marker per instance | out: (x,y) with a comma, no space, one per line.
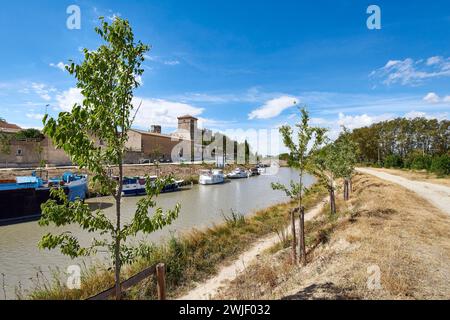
(201,207)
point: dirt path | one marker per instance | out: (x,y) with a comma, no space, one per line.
(438,195)
(211,287)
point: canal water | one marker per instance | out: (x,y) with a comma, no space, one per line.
(201,206)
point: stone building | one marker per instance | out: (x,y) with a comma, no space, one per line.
(9,128)
(182,145)
(185,144)
(29,152)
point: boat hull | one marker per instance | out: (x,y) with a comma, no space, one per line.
(210,181)
(22,205)
(139,190)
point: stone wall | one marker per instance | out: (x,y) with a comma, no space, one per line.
(29,153)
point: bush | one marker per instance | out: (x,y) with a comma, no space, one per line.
(393,161)
(441,165)
(421,162)
(29,134)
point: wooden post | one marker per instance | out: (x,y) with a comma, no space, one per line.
(161,281)
(302,237)
(294,238)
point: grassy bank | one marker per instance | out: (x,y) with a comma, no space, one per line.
(382,228)
(190,258)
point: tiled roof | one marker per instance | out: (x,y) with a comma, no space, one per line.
(9,127)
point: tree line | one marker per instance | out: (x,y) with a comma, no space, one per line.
(418,143)
(411,143)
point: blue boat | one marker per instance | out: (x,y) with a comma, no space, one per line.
(21,199)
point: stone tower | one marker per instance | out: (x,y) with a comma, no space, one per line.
(188,124)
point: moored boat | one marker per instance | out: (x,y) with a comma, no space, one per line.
(21,199)
(254,171)
(135,186)
(208,177)
(238,173)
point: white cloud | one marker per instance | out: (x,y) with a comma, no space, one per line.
(434,60)
(158,59)
(67,99)
(139,79)
(35,116)
(42,90)
(172,62)
(431,98)
(363,120)
(160,111)
(113,16)
(411,72)
(60,65)
(273,108)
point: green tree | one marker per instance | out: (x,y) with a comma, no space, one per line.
(347,152)
(29,134)
(107,78)
(327,167)
(301,157)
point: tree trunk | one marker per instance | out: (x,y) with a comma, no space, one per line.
(118,263)
(302,237)
(294,238)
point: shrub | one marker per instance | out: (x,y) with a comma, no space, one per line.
(29,134)
(421,162)
(393,161)
(441,165)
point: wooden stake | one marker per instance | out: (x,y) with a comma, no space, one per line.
(294,238)
(161,281)
(302,237)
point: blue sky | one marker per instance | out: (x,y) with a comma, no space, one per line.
(240,64)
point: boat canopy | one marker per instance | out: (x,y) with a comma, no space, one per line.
(27,180)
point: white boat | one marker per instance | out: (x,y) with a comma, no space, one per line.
(238,173)
(211,177)
(261,170)
(135,186)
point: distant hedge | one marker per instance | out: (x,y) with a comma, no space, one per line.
(441,165)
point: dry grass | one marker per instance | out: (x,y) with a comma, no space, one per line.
(422,175)
(189,259)
(383,225)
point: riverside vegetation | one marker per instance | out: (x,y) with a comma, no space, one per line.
(107,78)
(189,258)
(382,227)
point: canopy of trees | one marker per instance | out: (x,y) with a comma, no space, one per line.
(418,143)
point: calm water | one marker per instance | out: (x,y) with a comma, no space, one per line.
(201,206)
